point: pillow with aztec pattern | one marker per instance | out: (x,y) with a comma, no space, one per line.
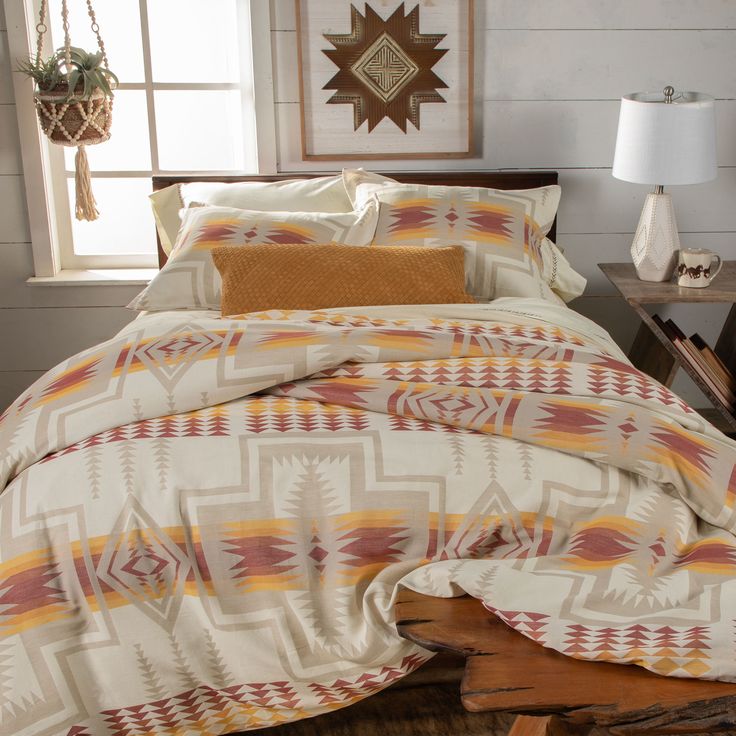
(501,231)
(189,280)
(556,270)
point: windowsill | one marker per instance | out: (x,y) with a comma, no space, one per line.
(96,277)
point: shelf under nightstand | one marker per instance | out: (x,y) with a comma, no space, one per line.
(652,351)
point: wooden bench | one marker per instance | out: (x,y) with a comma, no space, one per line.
(554,694)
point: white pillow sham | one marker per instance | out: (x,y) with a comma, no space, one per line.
(562,278)
(321,194)
(351,178)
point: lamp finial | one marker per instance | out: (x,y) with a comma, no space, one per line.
(669,91)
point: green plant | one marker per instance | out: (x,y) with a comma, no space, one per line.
(44,72)
(87,68)
(85,75)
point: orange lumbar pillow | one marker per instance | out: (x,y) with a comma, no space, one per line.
(303,276)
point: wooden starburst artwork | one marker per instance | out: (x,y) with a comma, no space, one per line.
(385,67)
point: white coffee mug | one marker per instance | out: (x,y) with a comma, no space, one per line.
(695,267)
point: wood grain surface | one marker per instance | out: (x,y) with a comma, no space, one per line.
(505,671)
(624,278)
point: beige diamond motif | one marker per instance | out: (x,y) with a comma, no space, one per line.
(144,565)
(385,67)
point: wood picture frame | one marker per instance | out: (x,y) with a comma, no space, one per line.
(388,80)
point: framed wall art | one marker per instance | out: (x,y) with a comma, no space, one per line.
(385,79)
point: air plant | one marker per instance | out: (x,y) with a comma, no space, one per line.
(44,72)
(85,75)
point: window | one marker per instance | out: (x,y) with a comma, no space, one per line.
(185,105)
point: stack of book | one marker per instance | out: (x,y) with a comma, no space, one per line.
(701,358)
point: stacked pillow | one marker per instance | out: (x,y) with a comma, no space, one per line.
(495,265)
(189,280)
(502,233)
(321,194)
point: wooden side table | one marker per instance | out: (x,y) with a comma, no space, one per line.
(555,694)
(652,351)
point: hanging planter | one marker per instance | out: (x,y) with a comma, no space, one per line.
(73,95)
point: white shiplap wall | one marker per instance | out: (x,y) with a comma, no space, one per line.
(550,73)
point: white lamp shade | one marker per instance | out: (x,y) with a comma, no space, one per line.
(662,142)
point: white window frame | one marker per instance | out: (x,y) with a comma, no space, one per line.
(43,163)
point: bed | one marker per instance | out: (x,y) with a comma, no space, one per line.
(205,519)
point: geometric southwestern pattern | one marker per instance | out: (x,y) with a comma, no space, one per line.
(385,67)
(203,520)
(502,232)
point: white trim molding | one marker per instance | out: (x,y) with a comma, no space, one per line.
(96,277)
(261,76)
(20,19)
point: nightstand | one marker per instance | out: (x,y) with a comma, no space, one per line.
(652,352)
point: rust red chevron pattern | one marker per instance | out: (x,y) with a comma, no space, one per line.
(30,590)
(678,650)
(260,555)
(209,422)
(207,710)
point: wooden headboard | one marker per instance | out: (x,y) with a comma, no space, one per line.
(490,179)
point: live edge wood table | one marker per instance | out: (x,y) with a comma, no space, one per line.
(652,351)
(554,694)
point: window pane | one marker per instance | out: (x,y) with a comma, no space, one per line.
(199,130)
(120,27)
(194,41)
(125,225)
(129,148)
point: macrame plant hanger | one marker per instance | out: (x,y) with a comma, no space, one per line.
(75,122)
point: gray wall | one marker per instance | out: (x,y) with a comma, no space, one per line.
(550,73)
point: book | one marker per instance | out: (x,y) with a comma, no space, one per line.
(708,364)
(701,366)
(716,364)
(662,326)
(697,361)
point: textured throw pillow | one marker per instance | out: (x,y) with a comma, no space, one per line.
(320,276)
(189,280)
(321,194)
(502,231)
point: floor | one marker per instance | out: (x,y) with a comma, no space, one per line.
(429,711)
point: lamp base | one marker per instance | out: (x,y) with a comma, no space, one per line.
(656,242)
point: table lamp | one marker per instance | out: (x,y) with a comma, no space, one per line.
(663,139)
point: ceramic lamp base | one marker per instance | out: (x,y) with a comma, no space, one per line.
(656,242)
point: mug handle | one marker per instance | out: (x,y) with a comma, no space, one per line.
(716,257)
